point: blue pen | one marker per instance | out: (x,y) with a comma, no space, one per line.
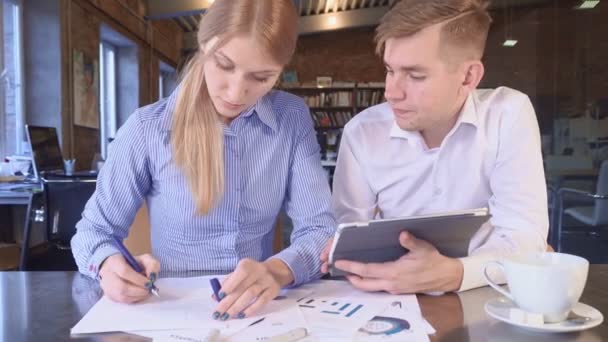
(134,264)
(215,285)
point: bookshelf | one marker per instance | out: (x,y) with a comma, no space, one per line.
(332,107)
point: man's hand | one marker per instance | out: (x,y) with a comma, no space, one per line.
(422,269)
(121,283)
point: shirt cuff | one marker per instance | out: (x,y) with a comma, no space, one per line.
(98,257)
(298,269)
(472,276)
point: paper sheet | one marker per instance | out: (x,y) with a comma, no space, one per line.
(406,313)
(330,310)
(185,303)
(280,315)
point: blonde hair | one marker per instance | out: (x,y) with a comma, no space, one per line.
(197,132)
(465,24)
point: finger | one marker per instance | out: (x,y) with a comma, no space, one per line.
(324,267)
(408,241)
(246,299)
(221,310)
(240,279)
(370,285)
(122,298)
(262,300)
(368,270)
(412,243)
(325,252)
(126,272)
(150,265)
(121,291)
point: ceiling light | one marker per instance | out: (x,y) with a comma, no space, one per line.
(587,4)
(509,42)
(332,21)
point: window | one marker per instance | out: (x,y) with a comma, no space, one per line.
(167,80)
(12,119)
(107,70)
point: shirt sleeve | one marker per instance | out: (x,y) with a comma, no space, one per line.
(307,203)
(353,199)
(518,204)
(122,184)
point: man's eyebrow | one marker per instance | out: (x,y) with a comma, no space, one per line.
(408,68)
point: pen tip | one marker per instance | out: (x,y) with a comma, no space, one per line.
(155,292)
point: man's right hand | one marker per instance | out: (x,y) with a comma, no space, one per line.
(121,283)
(325,256)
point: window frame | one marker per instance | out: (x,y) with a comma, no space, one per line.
(108,99)
(18,83)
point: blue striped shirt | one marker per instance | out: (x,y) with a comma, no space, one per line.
(271,158)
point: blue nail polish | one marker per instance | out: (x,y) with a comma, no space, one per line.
(225,316)
(240,315)
(153,276)
(222,295)
(148,285)
(216,315)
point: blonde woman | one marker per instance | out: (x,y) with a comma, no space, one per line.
(215,162)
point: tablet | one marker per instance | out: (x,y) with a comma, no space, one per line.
(378,240)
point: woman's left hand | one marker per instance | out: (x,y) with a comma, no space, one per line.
(250,287)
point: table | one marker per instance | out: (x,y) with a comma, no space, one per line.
(43,306)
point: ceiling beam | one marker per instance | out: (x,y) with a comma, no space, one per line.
(322,22)
(341,20)
(163,9)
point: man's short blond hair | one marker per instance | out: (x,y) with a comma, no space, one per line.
(464,30)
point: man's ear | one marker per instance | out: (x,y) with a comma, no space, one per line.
(474,71)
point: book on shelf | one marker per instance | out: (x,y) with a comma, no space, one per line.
(333,119)
(369,97)
(329,99)
(370,85)
(332,107)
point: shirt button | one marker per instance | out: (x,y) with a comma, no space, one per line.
(438,191)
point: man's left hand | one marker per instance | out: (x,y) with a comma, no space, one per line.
(422,269)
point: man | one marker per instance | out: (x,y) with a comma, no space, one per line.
(439,144)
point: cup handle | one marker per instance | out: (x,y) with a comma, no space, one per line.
(492,283)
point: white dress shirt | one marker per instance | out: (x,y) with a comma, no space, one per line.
(491,158)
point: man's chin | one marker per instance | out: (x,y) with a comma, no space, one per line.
(407,126)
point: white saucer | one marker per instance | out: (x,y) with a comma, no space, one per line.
(499,308)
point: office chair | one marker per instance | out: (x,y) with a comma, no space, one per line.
(595,215)
(65,200)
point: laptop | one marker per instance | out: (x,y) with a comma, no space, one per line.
(47,160)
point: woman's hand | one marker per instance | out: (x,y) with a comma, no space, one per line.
(325,256)
(251,286)
(121,283)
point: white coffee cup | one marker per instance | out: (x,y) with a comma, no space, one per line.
(543,283)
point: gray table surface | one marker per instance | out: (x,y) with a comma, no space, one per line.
(43,306)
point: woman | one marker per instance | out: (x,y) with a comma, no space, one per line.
(215,163)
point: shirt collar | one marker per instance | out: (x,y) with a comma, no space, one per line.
(166,120)
(263,108)
(468,115)
(265,111)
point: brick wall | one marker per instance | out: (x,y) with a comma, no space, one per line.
(156,41)
(560,60)
(346,55)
